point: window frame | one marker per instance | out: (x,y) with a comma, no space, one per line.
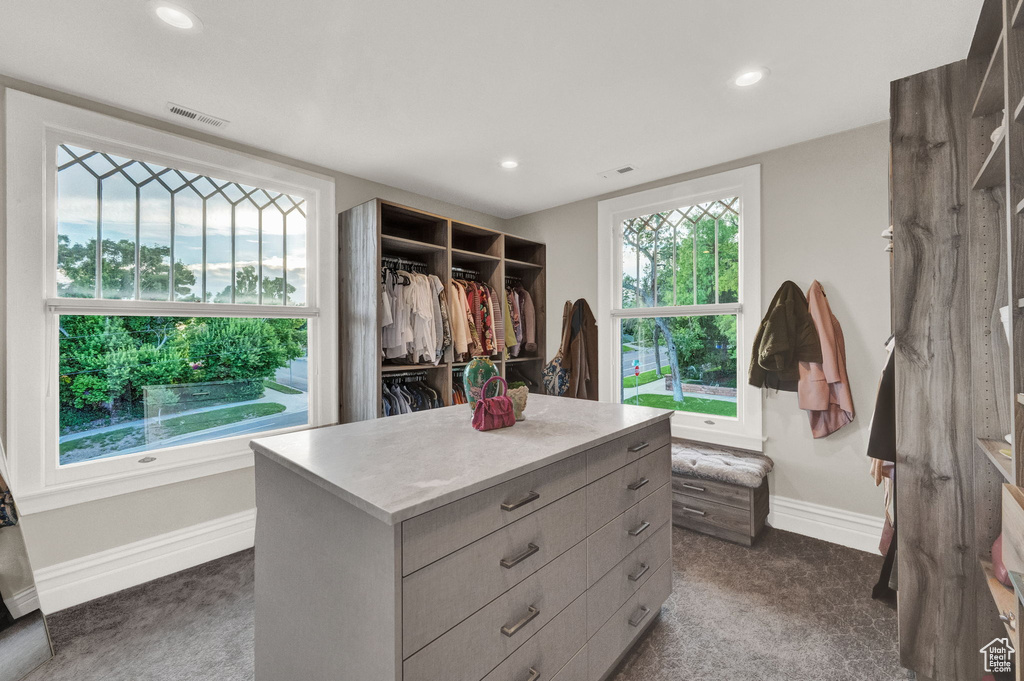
(746,430)
(35,126)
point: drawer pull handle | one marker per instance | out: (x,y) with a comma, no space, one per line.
(636,619)
(644,567)
(694,511)
(531,549)
(534,675)
(1009,620)
(640,530)
(638,484)
(511,630)
(532,496)
(693,487)
(640,447)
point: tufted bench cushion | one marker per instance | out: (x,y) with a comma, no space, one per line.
(710,462)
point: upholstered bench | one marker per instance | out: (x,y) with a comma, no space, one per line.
(719,491)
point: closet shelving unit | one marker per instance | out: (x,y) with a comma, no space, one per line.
(995,78)
(447,248)
(958,237)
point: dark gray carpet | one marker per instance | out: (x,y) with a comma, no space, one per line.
(789,608)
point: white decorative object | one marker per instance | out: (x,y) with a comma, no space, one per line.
(1004,314)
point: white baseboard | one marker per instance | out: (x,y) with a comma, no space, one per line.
(23,602)
(847,528)
(83,579)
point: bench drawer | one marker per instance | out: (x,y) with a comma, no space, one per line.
(614,541)
(610,456)
(620,489)
(623,580)
(433,535)
(447,591)
(550,649)
(479,643)
(628,622)
(712,490)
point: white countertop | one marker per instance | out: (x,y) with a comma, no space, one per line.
(398,467)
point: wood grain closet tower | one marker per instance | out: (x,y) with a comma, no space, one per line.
(958,235)
(378,229)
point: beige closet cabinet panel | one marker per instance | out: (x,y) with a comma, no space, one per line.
(617,491)
(549,650)
(614,541)
(433,535)
(444,593)
(415,548)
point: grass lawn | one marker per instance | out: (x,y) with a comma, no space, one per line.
(690,404)
(627,348)
(125,438)
(645,377)
(274,385)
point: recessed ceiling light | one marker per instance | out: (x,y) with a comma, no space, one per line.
(509,164)
(751,77)
(176,16)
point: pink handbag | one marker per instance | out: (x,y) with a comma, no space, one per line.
(496,412)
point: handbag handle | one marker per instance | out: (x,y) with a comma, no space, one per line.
(483,389)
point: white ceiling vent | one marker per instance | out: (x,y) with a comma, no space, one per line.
(615,172)
(196,116)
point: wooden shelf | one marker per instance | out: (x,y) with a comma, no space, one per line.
(1020,398)
(1004,597)
(990,96)
(397,244)
(518,360)
(459,255)
(520,265)
(390,369)
(993,171)
(991,449)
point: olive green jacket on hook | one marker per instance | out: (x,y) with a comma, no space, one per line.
(785,338)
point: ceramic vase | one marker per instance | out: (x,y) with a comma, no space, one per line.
(477,372)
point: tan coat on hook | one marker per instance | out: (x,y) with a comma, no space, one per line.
(824,389)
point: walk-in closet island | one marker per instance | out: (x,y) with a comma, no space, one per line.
(416,548)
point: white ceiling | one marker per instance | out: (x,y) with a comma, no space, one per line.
(429,96)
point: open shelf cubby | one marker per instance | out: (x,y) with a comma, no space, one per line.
(447,248)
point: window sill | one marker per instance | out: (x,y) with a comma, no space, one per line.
(714,437)
(79,492)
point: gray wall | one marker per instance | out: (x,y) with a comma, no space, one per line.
(824,205)
(75,531)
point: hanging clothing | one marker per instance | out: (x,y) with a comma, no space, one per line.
(882,433)
(498,315)
(785,338)
(579,338)
(510,332)
(457,316)
(824,388)
(517,321)
(529,320)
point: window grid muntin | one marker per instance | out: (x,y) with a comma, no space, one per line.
(675,217)
(165,177)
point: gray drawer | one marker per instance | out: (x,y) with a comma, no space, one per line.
(437,533)
(576,670)
(626,578)
(711,490)
(447,591)
(550,649)
(479,643)
(620,489)
(604,459)
(614,541)
(619,632)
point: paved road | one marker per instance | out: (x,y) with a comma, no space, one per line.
(646,357)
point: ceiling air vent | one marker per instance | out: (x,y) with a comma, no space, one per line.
(195,116)
(615,172)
